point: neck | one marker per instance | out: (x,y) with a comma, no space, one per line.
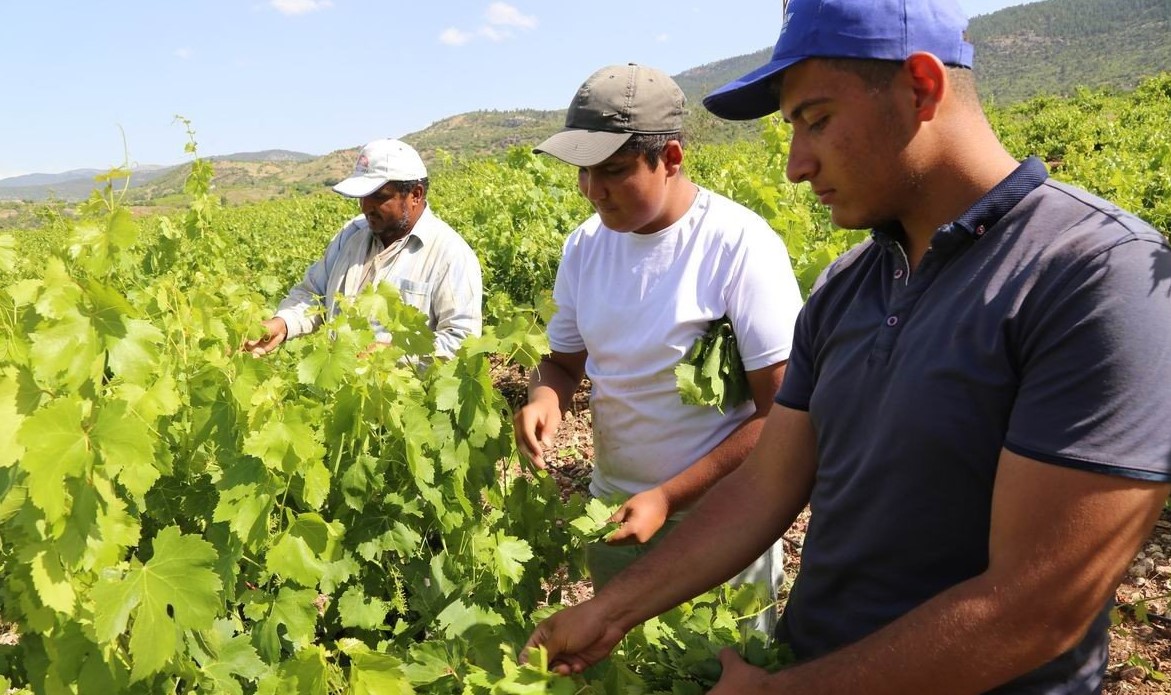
(681,194)
(966,170)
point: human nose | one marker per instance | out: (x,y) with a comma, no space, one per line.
(801,165)
(589,185)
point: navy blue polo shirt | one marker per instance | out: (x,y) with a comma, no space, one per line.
(1040,322)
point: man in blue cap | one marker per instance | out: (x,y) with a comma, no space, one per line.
(961,407)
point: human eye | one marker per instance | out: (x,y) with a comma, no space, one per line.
(817,123)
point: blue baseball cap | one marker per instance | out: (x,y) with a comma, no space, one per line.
(873,29)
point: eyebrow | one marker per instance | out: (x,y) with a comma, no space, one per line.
(796,112)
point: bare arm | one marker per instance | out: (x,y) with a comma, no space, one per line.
(744,513)
(644,514)
(551,388)
(1059,543)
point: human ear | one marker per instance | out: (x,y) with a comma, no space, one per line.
(928,78)
(672,156)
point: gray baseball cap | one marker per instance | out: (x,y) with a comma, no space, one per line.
(613,104)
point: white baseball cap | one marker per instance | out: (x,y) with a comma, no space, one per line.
(381,161)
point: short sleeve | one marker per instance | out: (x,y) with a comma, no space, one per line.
(797,388)
(563,332)
(762,297)
(1095,366)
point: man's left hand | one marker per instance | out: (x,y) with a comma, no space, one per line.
(640,517)
(738,677)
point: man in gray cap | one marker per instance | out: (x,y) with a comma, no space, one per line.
(638,283)
(974,408)
(396,239)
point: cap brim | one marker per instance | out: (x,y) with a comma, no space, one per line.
(360,186)
(750,96)
(583,148)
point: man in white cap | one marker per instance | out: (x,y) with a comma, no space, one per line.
(638,283)
(396,239)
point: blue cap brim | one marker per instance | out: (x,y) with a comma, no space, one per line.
(750,96)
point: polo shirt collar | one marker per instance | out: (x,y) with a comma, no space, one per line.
(986,212)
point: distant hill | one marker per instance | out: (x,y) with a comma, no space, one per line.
(1054,46)
(1047,47)
(265,156)
(47,179)
(146,181)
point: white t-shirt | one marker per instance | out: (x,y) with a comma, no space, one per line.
(637,302)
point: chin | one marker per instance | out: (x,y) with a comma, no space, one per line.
(852,220)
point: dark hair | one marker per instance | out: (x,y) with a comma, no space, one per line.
(877,75)
(649,145)
(405,187)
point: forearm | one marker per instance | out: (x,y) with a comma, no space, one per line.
(968,639)
(742,515)
(685,488)
(301,312)
(1059,543)
(551,380)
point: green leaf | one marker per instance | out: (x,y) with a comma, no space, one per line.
(460,617)
(66,351)
(595,524)
(121,230)
(247,496)
(52,583)
(358,610)
(445,390)
(124,444)
(294,610)
(372,673)
(56,448)
(429,662)
(316,488)
(510,554)
(135,356)
(287,442)
(11,420)
(226,656)
(307,673)
(304,552)
(175,590)
(327,368)
(7,253)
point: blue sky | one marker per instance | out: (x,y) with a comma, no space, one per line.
(321,75)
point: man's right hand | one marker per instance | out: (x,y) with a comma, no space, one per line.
(275,331)
(577,637)
(535,425)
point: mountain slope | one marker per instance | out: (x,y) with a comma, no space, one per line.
(1047,47)
(1054,46)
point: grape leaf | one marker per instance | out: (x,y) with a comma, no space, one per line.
(175,590)
(56,448)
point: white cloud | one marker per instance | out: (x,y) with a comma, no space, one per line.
(662,38)
(454,37)
(503,14)
(501,18)
(183,53)
(300,6)
(494,34)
